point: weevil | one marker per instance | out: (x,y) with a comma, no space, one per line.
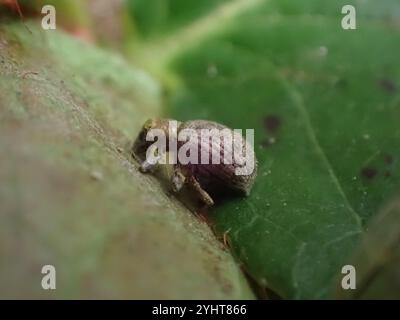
(207,178)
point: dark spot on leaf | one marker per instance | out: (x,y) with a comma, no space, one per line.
(387,174)
(369,173)
(388,159)
(388,85)
(272,123)
(341,83)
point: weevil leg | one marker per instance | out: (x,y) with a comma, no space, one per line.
(178,179)
(205,197)
(146,166)
(226,239)
(157,155)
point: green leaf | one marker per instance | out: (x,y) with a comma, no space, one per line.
(377,260)
(325,106)
(156,17)
(71,195)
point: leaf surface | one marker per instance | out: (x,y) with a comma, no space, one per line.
(71,195)
(325,106)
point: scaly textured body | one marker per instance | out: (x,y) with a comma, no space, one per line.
(206,178)
(213,177)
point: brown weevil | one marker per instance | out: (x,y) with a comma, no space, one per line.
(207,156)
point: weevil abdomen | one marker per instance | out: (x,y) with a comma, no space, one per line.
(222,175)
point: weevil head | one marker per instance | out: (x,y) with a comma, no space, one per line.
(142,143)
(150,124)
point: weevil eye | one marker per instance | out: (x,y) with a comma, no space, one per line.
(149,124)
